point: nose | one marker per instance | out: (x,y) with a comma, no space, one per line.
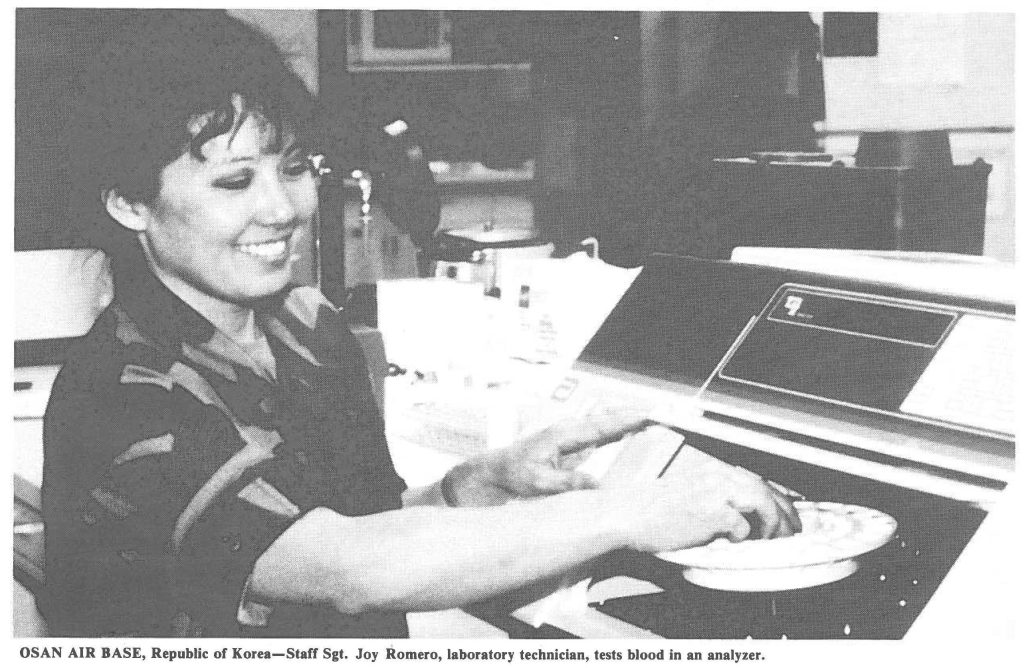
(276,208)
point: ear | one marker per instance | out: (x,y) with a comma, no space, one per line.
(131,215)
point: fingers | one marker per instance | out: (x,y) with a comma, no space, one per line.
(736,527)
(600,427)
(791,519)
(540,480)
(750,496)
(596,427)
(573,460)
(776,516)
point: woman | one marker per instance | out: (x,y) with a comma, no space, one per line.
(215,464)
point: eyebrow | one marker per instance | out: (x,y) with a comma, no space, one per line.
(292,146)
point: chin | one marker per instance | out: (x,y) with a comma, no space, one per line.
(252,292)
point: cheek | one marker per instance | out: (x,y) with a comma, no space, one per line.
(306,200)
(188,230)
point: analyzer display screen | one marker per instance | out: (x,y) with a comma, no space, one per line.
(882,354)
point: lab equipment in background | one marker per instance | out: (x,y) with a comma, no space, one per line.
(435,327)
(444,341)
(475,372)
(902,193)
(560,303)
(375,249)
(479,255)
(406,185)
(535,322)
(387,208)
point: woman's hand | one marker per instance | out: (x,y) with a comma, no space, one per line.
(695,507)
(769,515)
(541,464)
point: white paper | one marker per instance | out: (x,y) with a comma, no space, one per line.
(970,379)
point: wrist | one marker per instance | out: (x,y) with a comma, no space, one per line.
(613,521)
(458,486)
(447,487)
(471,483)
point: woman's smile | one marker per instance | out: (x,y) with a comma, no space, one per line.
(272,251)
(228,224)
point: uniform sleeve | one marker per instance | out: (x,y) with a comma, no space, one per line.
(344,407)
(154,510)
(377,485)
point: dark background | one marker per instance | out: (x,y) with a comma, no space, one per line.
(600,169)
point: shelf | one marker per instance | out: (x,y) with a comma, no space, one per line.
(469,174)
(476,173)
(356,68)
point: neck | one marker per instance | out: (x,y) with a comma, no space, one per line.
(236,321)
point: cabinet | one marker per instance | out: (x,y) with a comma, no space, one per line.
(423,40)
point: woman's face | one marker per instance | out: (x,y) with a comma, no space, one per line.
(227,225)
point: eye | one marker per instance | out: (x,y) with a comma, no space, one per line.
(297,166)
(234,182)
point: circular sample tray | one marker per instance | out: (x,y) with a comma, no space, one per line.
(832,535)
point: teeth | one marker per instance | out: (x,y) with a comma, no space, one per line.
(266,250)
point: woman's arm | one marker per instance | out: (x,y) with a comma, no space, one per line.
(498,477)
(433,558)
(427,558)
(540,464)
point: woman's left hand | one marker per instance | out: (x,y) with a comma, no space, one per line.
(541,464)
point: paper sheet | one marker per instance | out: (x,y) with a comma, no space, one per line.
(970,379)
(560,304)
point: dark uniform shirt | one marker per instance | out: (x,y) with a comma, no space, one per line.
(172,463)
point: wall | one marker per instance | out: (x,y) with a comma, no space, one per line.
(932,71)
(937,71)
(294,31)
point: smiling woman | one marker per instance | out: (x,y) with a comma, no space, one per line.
(190,160)
(215,463)
(225,220)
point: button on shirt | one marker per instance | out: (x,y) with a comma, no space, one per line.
(172,462)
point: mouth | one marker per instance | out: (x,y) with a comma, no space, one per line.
(274,250)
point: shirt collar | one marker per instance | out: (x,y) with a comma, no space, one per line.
(162,315)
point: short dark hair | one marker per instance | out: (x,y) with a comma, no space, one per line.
(136,101)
